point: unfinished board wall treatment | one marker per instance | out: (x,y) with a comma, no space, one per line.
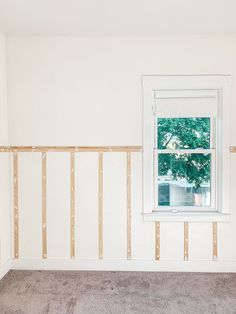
(128,205)
(185,241)
(58,149)
(215,249)
(100,205)
(16,208)
(157,240)
(44,217)
(72,205)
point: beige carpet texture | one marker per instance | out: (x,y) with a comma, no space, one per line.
(75,292)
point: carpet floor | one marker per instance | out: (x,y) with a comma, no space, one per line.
(61,292)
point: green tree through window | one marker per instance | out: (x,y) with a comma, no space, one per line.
(184,133)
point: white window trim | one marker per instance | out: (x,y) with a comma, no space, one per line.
(209,85)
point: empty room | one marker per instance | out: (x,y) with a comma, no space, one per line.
(117,156)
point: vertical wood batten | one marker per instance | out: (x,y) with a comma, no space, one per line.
(186,241)
(16,208)
(72,205)
(44,219)
(157,240)
(215,246)
(100,205)
(128,205)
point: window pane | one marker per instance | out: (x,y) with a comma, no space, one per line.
(184,179)
(183,133)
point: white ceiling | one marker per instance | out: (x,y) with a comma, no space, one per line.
(117,17)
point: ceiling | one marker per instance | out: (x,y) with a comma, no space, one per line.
(117,17)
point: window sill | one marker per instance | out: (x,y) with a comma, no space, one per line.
(186,216)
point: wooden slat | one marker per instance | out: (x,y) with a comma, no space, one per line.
(185,241)
(157,240)
(128,205)
(70,148)
(232,149)
(72,205)
(215,245)
(16,209)
(5,149)
(100,206)
(44,217)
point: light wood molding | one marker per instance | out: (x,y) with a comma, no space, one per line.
(44,214)
(128,205)
(72,205)
(100,205)
(186,241)
(16,208)
(232,149)
(157,240)
(62,149)
(215,245)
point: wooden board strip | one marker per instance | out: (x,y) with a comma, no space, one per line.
(5,149)
(128,205)
(16,208)
(185,241)
(44,217)
(157,240)
(232,149)
(100,206)
(215,245)
(72,205)
(70,149)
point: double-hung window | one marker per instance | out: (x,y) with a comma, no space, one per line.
(184,162)
(186,147)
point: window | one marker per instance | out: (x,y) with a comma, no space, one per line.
(184,162)
(186,147)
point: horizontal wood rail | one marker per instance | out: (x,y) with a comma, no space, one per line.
(71,149)
(57,149)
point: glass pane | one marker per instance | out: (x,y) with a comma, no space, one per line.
(183,133)
(184,179)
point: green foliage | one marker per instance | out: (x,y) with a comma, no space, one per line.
(184,133)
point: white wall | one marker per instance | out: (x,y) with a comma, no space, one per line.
(77,91)
(4,163)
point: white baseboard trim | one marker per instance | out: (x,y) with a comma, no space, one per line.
(4,269)
(124,265)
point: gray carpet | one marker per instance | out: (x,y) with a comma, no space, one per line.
(34,292)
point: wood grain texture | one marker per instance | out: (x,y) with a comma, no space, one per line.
(157,240)
(70,149)
(128,205)
(215,245)
(44,213)
(16,208)
(4,149)
(100,205)
(72,205)
(186,241)
(232,149)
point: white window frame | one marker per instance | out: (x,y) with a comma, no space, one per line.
(200,86)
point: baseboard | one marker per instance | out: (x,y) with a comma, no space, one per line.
(124,265)
(4,269)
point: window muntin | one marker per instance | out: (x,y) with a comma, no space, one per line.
(184,164)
